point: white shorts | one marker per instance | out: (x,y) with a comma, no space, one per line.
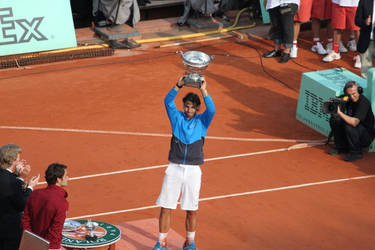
(184,180)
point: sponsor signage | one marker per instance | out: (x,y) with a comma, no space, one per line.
(38,25)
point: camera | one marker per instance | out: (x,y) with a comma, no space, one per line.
(330,106)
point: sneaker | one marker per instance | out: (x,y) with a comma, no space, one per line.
(357,62)
(352,157)
(284,58)
(342,48)
(272,53)
(158,246)
(293,52)
(336,151)
(332,56)
(190,247)
(318,48)
(352,45)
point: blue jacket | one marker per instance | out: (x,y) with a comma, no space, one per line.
(187,135)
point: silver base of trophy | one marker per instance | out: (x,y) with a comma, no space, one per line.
(194,80)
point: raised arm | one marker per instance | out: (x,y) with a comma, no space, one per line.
(209,113)
(169,103)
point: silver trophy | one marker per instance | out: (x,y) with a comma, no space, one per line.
(91,226)
(195,62)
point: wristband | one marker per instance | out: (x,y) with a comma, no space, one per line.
(178,86)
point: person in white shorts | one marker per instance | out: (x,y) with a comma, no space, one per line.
(183,175)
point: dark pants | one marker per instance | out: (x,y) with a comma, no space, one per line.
(283,25)
(9,244)
(350,138)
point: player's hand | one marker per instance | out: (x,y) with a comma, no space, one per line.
(338,109)
(204,85)
(180,81)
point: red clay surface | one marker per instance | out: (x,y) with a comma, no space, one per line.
(126,94)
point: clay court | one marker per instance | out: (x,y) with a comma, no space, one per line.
(105,119)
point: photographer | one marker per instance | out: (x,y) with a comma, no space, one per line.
(353,128)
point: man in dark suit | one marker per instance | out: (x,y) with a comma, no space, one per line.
(365,20)
(13,194)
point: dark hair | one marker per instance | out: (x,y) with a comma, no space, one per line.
(54,171)
(193,98)
(350,85)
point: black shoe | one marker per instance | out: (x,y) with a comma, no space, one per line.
(336,151)
(284,58)
(273,53)
(352,157)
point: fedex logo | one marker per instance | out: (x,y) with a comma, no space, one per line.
(8,28)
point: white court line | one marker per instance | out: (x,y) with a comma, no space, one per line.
(208,159)
(89,131)
(234,195)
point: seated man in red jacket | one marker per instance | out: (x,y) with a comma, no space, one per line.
(46,208)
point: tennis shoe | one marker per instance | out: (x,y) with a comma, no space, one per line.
(342,48)
(352,45)
(158,246)
(337,151)
(353,157)
(332,56)
(191,246)
(318,48)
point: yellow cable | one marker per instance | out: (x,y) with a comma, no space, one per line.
(224,30)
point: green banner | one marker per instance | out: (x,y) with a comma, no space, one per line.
(37,25)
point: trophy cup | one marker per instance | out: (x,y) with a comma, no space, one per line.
(195,62)
(91,227)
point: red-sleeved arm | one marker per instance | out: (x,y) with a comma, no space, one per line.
(54,235)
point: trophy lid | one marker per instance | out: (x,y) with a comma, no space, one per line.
(196,59)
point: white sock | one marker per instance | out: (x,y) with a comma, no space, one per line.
(190,236)
(330,40)
(295,43)
(162,236)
